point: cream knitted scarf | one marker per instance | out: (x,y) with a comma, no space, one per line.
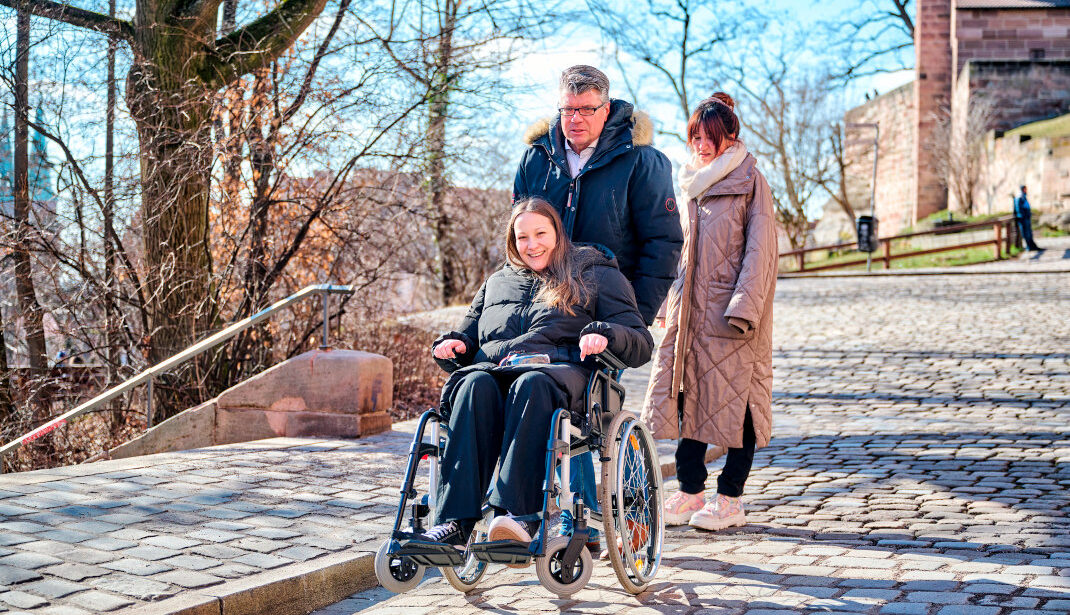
(696,178)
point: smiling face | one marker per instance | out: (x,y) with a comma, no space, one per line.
(535,239)
(582,130)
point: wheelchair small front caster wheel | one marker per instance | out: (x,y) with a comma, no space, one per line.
(397,574)
(552,575)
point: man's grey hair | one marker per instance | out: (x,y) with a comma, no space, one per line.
(581,78)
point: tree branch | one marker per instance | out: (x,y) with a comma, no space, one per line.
(259,43)
(74,16)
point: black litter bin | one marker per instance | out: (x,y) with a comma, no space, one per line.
(867,234)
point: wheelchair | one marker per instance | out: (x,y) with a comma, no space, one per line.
(629,497)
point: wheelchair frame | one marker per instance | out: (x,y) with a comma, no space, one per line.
(563,563)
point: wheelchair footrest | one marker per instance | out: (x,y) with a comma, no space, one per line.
(501,552)
(435,554)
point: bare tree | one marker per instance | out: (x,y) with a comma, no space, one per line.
(876,37)
(784,115)
(833,178)
(455,53)
(178,65)
(686,58)
(29,306)
(958,146)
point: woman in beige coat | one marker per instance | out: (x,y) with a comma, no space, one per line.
(712,378)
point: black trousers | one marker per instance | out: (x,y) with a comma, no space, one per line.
(503,424)
(691,464)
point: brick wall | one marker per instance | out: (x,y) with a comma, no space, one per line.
(932,70)
(894,112)
(1023,91)
(1010,34)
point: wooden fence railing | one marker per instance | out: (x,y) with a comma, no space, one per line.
(1003,237)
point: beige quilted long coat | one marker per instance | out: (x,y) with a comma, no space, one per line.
(728,268)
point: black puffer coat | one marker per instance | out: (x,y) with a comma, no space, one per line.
(505,318)
(622,198)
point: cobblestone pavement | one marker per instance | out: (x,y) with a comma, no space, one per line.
(919,465)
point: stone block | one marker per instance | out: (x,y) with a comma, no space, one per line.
(342,393)
(193,428)
(333,381)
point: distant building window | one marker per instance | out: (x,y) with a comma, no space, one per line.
(1036,54)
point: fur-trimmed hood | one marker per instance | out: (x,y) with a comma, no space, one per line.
(641,125)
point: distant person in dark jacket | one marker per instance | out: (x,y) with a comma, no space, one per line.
(595,163)
(1023,215)
(553,299)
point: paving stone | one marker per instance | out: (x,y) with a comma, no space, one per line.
(10,575)
(74,572)
(61,609)
(22,600)
(29,561)
(188,578)
(262,560)
(170,542)
(191,562)
(53,588)
(149,552)
(98,601)
(105,543)
(139,567)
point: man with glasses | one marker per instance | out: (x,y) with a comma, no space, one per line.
(594,162)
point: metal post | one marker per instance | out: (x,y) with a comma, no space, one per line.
(148,404)
(324,345)
(876,150)
(873,193)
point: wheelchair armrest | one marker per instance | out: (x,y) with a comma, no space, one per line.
(609,360)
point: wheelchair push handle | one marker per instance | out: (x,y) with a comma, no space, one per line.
(609,360)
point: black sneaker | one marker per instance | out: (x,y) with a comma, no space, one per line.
(449,533)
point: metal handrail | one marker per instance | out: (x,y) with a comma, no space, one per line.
(324,290)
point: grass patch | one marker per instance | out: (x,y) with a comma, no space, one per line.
(929,222)
(1055,127)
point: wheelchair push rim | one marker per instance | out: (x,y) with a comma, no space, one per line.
(465,578)
(632,499)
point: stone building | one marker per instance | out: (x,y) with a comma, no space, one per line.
(1011,55)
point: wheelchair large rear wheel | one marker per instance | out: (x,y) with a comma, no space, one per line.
(631,499)
(465,578)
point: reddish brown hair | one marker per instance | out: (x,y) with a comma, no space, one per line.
(716,116)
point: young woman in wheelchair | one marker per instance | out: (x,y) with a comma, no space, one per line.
(523,350)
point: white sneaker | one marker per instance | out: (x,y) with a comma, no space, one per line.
(679,508)
(720,513)
(506,527)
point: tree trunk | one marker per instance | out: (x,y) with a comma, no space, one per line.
(32,315)
(7,406)
(445,258)
(172,113)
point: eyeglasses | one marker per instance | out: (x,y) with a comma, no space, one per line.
(584,111)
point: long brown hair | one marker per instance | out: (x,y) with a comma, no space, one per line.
(562,286)
(716,116)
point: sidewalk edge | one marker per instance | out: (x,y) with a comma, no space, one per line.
(295,590)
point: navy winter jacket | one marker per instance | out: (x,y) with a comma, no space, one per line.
(622,198)
(505,318)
